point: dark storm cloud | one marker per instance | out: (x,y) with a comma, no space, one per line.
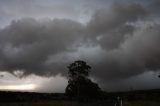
(26,44)
(111,25)
(154,7)
(139,53)
(118,14)
(129,49)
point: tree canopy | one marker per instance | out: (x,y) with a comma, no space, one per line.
(79,85)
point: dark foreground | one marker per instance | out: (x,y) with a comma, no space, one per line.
(69,103)
(132,98)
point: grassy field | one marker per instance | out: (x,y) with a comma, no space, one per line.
(143,103)
(51,103)
(69,103)
(134,98)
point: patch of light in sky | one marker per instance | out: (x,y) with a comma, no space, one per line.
(22,87)
(34,83)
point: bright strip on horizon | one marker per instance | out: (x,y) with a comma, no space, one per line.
(26,87)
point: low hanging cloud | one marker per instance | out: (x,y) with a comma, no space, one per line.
(121,44)
(138,54)
(26,44)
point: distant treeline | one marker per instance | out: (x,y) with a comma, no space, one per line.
(7,96)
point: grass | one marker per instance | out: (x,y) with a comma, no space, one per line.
(71,103)
(46,103)
(143,103)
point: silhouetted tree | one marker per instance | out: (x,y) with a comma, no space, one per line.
(79,85)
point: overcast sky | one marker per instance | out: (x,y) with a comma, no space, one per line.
(118,39)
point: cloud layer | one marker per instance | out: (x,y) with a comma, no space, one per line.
(119,42)
(27,44)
